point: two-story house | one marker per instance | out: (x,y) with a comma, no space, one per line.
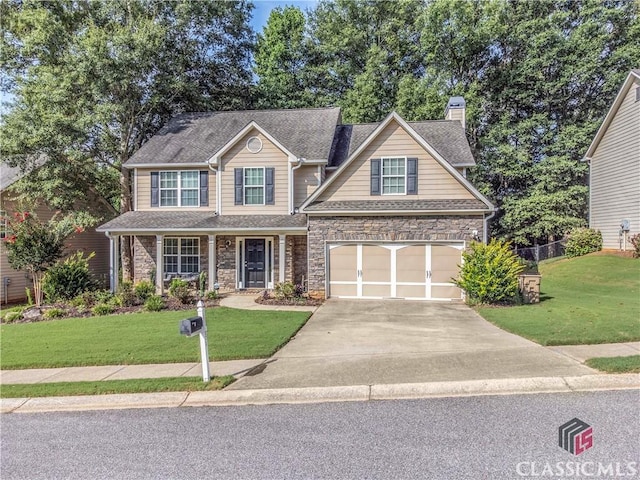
(259,197)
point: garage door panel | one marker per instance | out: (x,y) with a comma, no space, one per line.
(444,263)
(411,264)
(376,290)
(410,291)
(376,264)
(343,290)
(445,292)
(343,264)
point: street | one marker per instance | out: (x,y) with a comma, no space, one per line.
(492,437)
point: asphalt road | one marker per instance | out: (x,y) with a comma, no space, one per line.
(496,437)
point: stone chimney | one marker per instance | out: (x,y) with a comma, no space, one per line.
(456,110)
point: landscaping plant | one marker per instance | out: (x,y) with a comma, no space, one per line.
(144,289)
(489,273)
(69,278)
(635,241)
(154,303)
(582,241)
(179,289)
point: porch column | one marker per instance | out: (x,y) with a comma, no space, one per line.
(212,261)
(282,257)
(114,262)
(159,264)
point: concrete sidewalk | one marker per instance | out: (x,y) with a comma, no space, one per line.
(247,302)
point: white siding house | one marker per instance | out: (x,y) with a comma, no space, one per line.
(614,158)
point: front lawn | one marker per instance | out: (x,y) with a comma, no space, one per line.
(140,338)
(584,300)
(143,385)
(630,364)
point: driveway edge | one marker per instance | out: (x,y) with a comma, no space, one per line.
(354,393)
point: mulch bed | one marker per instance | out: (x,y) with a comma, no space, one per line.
(298,301)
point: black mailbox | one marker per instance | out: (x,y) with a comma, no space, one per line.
(190,326)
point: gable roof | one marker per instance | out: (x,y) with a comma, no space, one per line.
(10,175)
(393,116)
(193,138)
(633,77)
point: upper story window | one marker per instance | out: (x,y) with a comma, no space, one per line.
(188,188)
(254,186)
(394,176)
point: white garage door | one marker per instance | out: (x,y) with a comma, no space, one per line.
(411,271)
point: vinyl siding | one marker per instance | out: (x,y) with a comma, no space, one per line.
(615,175)
(143,188)
(88,241)
(305,182)
(270,156)
(434,182)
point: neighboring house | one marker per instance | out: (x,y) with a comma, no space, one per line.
(614,160)
(13,282)
(259,197)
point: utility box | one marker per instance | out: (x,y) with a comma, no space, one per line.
(191,326)
(529,285)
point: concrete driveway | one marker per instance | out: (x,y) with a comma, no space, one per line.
(366,342)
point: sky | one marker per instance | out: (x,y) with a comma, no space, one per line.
(264,7)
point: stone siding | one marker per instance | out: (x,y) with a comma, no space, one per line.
(392,229)
(226,259)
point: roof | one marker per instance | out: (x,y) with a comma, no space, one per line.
(10,175)
(447,137)
(633,77)
(195,137)
(397,205)
(194,221)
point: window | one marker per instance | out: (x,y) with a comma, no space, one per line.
(254,186)
(181,256)
(394,176)
(179,189)
(3,224)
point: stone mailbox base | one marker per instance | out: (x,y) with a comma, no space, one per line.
(529,285)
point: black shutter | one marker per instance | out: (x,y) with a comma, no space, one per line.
(204,188)
(269,186)
(376,176)
(412,176)
(155,189)
(239,182)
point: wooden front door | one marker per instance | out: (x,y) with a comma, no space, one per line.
(254,263)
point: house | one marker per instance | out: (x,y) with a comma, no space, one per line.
(259,197)
(614,164)
(13,282)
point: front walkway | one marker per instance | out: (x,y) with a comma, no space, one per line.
(247,302)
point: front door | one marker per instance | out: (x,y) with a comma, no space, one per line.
(254,263)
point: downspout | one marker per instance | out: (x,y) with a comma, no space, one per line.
(214,168)
(485,231)
(292,183)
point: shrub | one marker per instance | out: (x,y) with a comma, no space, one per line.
(68,278)
(287,290)
(13,316)
(54,313)
(179,289)
(635,241)
(211,295)
(154,303)
(582,241)
(127,296)
(490,272)
(102,309)
(202,282)
(144,289)
(102,296)
(84,300)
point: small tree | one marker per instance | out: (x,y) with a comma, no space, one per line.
(34,246)
(490,272)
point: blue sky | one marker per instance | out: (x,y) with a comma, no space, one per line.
(264,7)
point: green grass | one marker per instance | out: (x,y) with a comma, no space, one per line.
(142,338)
(169,384)
(630,364)
(584,300)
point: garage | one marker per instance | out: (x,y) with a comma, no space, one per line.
(413,271)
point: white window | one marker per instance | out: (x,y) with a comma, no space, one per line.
(179,189)
(254,186)
(3,224)
(394,176)
(181,256)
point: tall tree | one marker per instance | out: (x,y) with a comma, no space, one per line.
(93,80)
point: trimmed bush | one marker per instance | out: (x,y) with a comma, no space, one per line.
(284,290)
(490,272)
(635,241)
(103,309)
(179,289)
(52,313)
(144,289)
(582,241)
(154,303)
(68,278)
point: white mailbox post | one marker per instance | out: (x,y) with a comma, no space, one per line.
(198,325)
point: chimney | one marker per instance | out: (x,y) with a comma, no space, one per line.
(456,110)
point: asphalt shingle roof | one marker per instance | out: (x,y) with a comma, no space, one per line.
(397,205)
(199,221)
(195,137)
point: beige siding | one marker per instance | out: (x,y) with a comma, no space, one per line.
(143,188)
(434,182)
(270,156)
(306,181)
(89,241)
(615,174)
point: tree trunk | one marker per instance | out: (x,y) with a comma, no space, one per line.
(126,242)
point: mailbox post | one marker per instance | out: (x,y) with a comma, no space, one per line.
(198,325)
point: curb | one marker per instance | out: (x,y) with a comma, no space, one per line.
(356,393)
